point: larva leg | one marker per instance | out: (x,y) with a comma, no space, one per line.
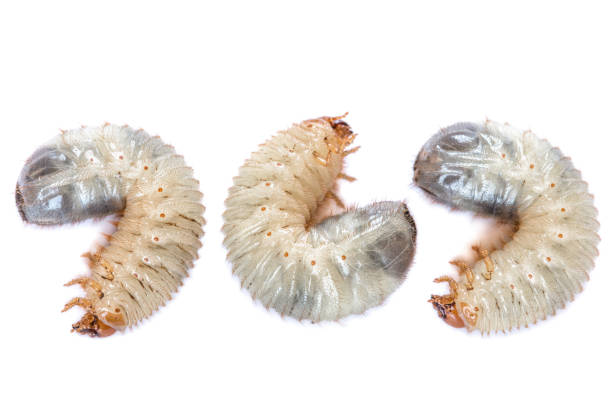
(77,301)
(465,269)
(484,254)
(86,282)
(445,304)
(351,150)
(323,161)
(346,177)
(333,119)
(337,200)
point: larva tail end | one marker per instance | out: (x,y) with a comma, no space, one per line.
(447,310)
(20,203)
(91,325)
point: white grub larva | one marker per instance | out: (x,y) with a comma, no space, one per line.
(343,265)
(95,171)
(498,170)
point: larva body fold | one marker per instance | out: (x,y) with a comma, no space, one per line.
(95,171)
(345,264)
(497,170)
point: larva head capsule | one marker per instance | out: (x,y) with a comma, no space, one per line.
(101,322)
(91,325)
(344,135)
(461,166)
(447,310)
(455,314)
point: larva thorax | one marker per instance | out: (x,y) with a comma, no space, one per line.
(342,265)
(497,170)
(92,172)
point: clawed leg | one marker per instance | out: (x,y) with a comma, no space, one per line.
(337,200)
(96,258)
(78,301)
(349,151)
(86,282)
(465,269)
(323,161)
(484,254)
(92,257)
(451,283)
(333,119)
(346,177)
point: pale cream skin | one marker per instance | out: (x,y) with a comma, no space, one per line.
(345,264)
(498,170)
(94,171)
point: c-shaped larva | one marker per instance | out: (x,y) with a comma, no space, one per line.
(345,264)
(498,170)
(95,171)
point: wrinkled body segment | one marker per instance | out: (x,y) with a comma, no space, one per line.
(497,170)
(93,172)
(345,264)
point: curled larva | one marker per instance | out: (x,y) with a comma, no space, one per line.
(343,265)
(498,170)
(95,171)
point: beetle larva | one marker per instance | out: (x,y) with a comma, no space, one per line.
(343,265)
(498,170)
(95,171)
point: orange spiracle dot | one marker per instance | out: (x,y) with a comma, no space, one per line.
(563,210)
(263,208)
(269,233)
(503,155)
(162,215)
(344,257)
(286,254)
(530,276)
(548,258)
(531,166)
(159,190)
(560,235)
(120,157)
(268,184)
(313,263)
(146,167)
(552,185)
(155,239)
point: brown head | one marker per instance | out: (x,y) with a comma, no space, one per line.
(343,130)
(91,325)
(447,310)
(101,322)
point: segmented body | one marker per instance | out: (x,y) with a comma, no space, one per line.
(498,170)
(95,171)
(343,265)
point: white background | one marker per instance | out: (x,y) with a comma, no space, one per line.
(217,80)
